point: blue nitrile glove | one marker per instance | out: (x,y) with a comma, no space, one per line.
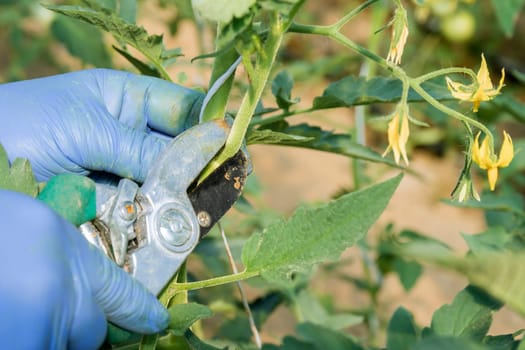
(56,289)
(95,119)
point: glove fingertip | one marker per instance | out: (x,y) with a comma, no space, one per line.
(159,318)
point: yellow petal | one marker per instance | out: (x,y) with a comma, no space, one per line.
(393,137)
(475,106)
(458,90)
(483,75)
(475,150)
(506,152)
(492,174)
(500,85)
(403,138)
(485,155)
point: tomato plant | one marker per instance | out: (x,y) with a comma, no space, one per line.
(281,259)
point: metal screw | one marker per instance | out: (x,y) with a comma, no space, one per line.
(204,219)
(174,227)
(128,211)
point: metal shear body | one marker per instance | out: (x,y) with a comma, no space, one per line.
(151,229)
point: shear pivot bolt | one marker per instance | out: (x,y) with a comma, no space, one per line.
(204,219)
(174,228)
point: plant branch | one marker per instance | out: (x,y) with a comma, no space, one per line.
(340,23)
(451,70)
(212,282)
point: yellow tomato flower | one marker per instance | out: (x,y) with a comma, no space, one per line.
(487,160)
(398,133)
(482,90)
(399,36)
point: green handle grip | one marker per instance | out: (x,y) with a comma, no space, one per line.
(72,196)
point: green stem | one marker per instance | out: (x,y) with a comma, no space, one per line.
(261,73)
(444,71)
(212,282)
(436,104)
(398,72)
(340,23)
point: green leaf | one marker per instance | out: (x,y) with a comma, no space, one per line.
(316,235)
(282,86)
(312,311)
(493,239)
(149,342)
(502,342)
(19,177)
(81,40)
(507,13)
(351,91)
(222,11)
(510,104)
(449,343)
(182,316)
(196,343)
(408,272)
(269,137)
(290,343)
(142,67)
(150,46)
(469,315)
(402,332)
(324,338)
(499,274)
(328,141)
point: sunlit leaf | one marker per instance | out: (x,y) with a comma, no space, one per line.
(314,235)
(222,11)
(442,343)
(19,177)
(469,315)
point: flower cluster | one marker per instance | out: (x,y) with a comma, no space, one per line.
(479,91)
(483,153)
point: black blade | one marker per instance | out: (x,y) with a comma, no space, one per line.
(219,191)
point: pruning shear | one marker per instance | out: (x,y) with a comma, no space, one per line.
(150,230)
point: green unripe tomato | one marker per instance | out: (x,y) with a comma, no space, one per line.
(442,8)
(458,27)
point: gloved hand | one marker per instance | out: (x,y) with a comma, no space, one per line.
(95,119)
(56,289)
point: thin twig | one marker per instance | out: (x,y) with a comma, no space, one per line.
(253,327)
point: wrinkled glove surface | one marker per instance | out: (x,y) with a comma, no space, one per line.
(95,119)
(56,290)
